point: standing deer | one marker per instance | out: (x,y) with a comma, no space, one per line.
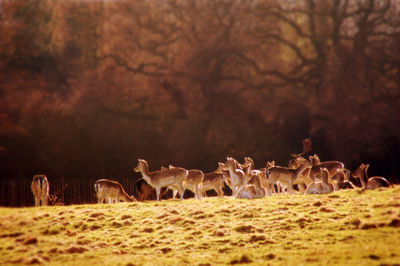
(286,176)
(192,182)
(334,167)
(369,182)
(164,178)
(215,181)
(111,192)
(310,176)
(40,188)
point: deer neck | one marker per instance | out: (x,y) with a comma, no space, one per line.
(364,177)
(324,179)
(126,197)
(145,172)
(300,170)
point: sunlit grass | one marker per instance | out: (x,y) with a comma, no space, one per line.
(346,227)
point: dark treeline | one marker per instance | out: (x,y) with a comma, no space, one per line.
(88,87)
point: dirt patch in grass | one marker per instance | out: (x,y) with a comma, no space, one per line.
(244,259)
(366,226)
(256,238)
(96,214)
(395,223)
(244,229)
(116,224)
(317,204)
(124,217)
(219,232)
(76,249)
(148,230)
(31,240)
(174,220)
(165,250)
(94,227)
(15,234)
(323,209)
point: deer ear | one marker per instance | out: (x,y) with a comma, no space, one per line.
(220,164)
(366,166)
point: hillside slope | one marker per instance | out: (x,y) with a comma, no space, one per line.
(346,227)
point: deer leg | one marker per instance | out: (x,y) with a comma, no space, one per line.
(234,191)
(302,187)
(174,192)
(220,192)
(290,188)
(37,202)
(46,201)
(181,192)
(158,193)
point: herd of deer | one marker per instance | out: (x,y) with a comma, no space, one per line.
(311,177)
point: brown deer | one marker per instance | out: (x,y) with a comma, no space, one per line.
(334,167)
(40,188)
(341,181)
(146,192)
(268,188)
(111,192)
(57,198)
(213,181)
(252,189)
(164,178)
(192,182)
(369,182)
(323,186)
(237,175)
(286,176)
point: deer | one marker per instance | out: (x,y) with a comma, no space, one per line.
(341,181)
(237,176)
(269,188)
(164,178)
(146,192)
(323,186)
(215,181)
(285,175)
(192,182)
(225,175)
(111,192)
(40,188)
(249,170)
(57,198)
(369,182)
(334,167)
(252,189)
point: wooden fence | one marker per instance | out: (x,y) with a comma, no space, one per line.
(17,193)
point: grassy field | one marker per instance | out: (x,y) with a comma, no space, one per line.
(347,227)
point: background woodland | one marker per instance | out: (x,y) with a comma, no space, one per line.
(88,87)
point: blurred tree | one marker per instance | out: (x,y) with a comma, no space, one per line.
(87,87)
